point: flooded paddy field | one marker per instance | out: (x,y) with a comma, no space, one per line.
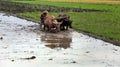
(22,44)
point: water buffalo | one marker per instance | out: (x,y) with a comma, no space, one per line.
(65,21)
(51,23)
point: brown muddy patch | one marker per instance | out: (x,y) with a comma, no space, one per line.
(60,42)
(61,39)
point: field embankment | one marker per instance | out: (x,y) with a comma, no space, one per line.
(79,5)
(16,7)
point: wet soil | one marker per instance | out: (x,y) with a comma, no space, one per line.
(22,44)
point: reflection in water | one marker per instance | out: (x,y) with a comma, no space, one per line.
(57,40)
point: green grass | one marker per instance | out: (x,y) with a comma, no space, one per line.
(76,5)
(106,24)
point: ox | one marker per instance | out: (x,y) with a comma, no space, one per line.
(65,21)
(51,24)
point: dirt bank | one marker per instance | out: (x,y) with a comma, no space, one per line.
(14,7)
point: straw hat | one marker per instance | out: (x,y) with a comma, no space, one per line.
(45,11)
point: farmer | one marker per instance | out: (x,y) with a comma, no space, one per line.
(42,18)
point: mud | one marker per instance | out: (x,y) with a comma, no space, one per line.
(22,44)
(61,40)
(29,58)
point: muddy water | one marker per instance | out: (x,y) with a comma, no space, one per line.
(22,44)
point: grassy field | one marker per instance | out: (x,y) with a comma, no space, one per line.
(106,24)
(103,6)
(84,1)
